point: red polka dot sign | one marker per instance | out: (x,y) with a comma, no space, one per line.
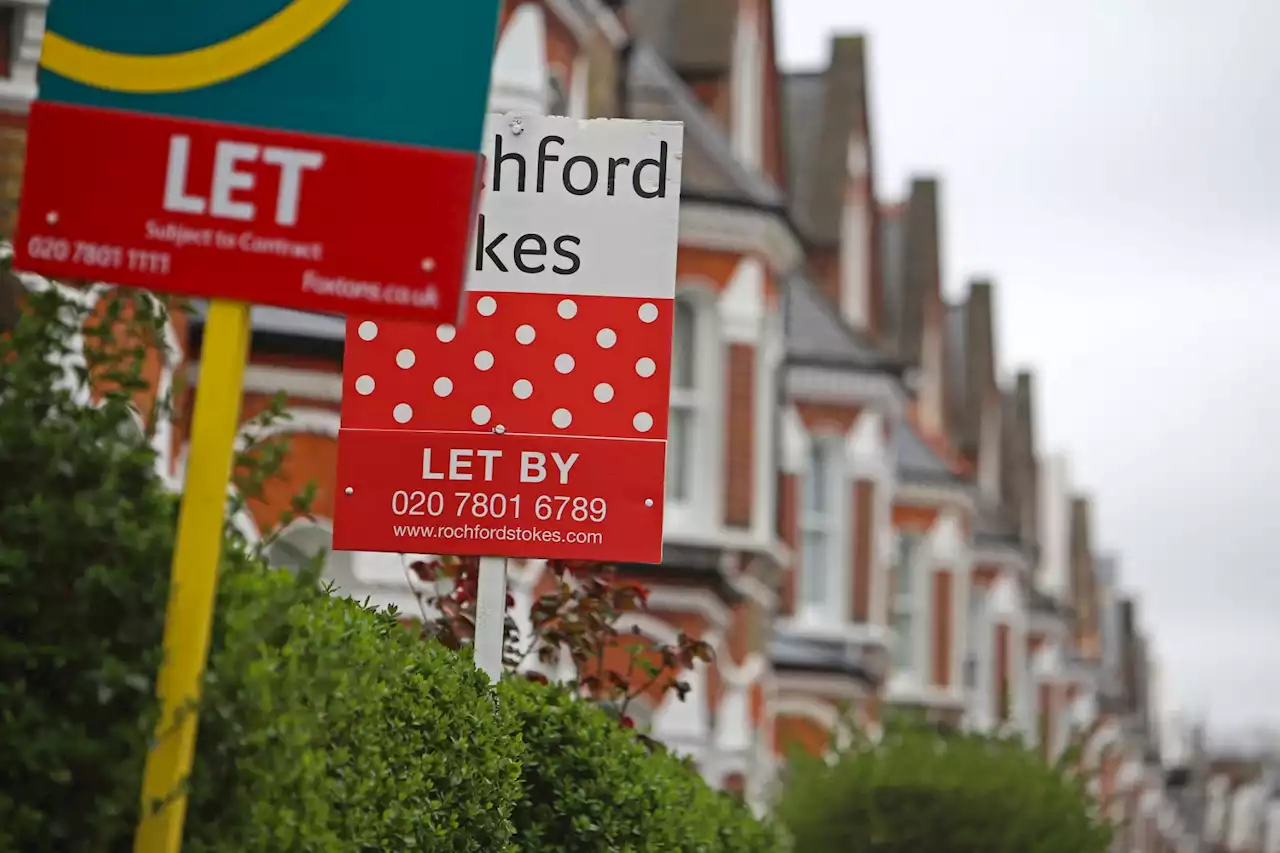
(536,426)
(591,366)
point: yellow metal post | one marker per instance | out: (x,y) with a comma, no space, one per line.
(194,575)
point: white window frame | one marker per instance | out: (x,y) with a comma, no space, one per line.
(684,401)
(980,645)
(831,523)
(693,514)
(18,89)
(907,655)
(747,84)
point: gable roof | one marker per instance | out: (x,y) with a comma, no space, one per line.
(802,98)
(1019,476)
(816,333)
(921,266)
(918,462)
(992,528)
(970,359)
(709,167)
(893,230)
(956,361)
(910,268)
(694,37)
(822,113)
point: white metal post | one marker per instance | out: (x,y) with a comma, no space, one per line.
(491,615)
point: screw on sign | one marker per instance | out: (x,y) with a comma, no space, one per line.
(537,426)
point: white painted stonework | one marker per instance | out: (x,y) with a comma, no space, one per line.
(519,77)
(742,305)
(856,239)
(747,90)
(866,450)
(795,441)
(19,90)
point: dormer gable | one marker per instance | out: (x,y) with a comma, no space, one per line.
(724,50)
(972,395)
(831,181)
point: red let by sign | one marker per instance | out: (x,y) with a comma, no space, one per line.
(316,223)
(501,495)
(537,427)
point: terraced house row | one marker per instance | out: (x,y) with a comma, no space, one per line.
(858,514)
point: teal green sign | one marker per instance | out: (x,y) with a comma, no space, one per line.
(413,72)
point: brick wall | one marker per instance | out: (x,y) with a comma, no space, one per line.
(864,509)
(740,438)
(943,625)
(13,149)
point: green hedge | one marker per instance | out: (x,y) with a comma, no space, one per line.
(924,790)
(325,727)
(86,532)
(332,728)
(590,785)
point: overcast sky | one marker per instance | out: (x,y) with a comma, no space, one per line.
(1115,166)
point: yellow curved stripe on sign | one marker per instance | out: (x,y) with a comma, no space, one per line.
(193,69)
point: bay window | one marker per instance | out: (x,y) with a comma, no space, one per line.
(905,599)
(979,637)
(819,528)
(684,402)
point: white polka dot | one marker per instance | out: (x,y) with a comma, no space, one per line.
(643,421)
(483,359)
(525,334)
(402,413)
(480,415)
(443,386)
(368,330)
(405,358)
(445,333)
(567,309)
(486,305)
(606,338)
(523,389)
(364,385)
(564,363)
(604,392)
(648,312)
(561,418)
(645,367)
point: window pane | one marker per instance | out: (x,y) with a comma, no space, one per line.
(813,579)
(977,602)
(682,345)
(903,577)
(903,649)
(817,482)
(679,439)
(904,573)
